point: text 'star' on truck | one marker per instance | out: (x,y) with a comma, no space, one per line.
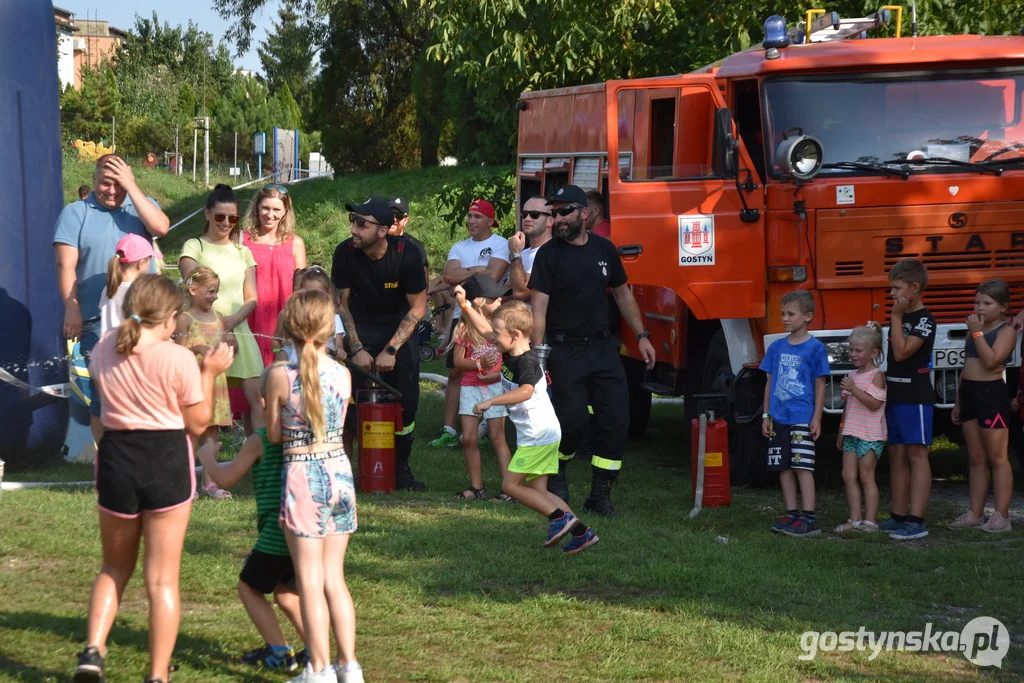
(815,160)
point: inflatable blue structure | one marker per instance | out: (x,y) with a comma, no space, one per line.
(33,423)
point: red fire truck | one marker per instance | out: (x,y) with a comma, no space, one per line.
(814,160)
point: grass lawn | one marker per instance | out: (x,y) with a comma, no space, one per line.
(451,591)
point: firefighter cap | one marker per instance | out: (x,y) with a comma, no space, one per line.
(569,194)
(379,208)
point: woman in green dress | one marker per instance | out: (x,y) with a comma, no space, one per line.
(219,250)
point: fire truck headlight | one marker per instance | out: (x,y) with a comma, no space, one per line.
(838,352)
(833,396)
(799,157)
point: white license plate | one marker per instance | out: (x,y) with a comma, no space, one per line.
(954,358)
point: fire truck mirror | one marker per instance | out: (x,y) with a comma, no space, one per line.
(724,144)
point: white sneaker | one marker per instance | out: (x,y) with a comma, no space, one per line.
(328,675)
(350,673)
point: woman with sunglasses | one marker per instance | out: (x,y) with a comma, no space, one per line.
(270,236)
(219,250)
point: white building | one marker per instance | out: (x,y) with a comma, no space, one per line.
(65,22)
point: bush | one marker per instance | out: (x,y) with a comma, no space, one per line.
(499,188)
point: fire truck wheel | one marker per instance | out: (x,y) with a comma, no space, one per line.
(746,445)
(639,400)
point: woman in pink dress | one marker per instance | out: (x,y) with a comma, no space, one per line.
(279,252)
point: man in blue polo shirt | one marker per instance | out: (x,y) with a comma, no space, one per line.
(86,237)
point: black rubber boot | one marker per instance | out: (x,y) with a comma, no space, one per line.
(404,481)
(600,499)
(558,484)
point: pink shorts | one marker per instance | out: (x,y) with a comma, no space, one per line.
(318,497)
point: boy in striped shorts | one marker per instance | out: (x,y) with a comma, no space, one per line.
(794,398)
(268,567)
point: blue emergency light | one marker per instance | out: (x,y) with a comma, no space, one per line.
(775,34)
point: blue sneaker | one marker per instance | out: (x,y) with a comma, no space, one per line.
(275,658)
(889,525)
(580,543)
(909,531)
(803,526)
(784,523)
(558,528)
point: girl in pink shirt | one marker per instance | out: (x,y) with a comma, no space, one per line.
(862,433)
(153,392)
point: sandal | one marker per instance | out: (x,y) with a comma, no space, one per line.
(847,526)
(503,498)
(216,492)
(471,494)
(867,526)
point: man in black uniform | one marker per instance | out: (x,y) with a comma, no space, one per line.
(570,308)
(383,296)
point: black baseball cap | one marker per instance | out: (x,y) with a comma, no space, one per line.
(569,194)
(379,208)
(483,285)
(401,205)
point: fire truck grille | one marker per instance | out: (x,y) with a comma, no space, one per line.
(952,304)
(849,268)
(962,260)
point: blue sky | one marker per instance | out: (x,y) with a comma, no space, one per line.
(121,14)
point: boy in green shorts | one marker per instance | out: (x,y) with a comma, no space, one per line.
(268,568)
(537,429)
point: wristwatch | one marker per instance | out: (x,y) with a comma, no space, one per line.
(390,350)
(646,334)
(515,254)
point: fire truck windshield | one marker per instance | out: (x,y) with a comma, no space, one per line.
(958,119)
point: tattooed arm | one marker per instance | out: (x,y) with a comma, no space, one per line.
(356,353)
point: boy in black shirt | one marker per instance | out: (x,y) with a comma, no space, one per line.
(911,401)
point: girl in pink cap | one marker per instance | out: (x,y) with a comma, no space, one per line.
(131,260)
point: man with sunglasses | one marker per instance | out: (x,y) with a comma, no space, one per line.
(383,297)
(482,252)
(570,274)
(536,222)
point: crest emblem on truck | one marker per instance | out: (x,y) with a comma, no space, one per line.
(696,240)
(957,220)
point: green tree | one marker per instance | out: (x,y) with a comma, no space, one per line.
(287,54)
(87,113)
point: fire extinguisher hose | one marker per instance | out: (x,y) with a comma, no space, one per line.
(698,496)
(372,378)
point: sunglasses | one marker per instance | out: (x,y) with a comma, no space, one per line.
(361,222)
(534,214)
(566,210)
(230,218)
(280,188)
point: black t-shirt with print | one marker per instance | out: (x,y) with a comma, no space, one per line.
(378,300)
(909,381)
(575,279)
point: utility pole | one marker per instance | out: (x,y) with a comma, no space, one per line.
(195,148)
(177,157)
(113,131)
(206,151)
(235,165)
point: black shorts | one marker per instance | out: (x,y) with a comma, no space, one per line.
(263,572)
(988,402)
(790,447)
(140,470)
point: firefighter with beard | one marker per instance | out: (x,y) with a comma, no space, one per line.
(570,313)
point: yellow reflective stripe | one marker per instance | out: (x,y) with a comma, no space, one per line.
(605,464)
(590,409)
(407,430)
(563,456)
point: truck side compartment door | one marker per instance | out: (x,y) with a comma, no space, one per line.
(667,198)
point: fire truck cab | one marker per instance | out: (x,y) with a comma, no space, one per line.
(815,160)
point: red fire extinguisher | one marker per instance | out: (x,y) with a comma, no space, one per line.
(380,417)
(709,437)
